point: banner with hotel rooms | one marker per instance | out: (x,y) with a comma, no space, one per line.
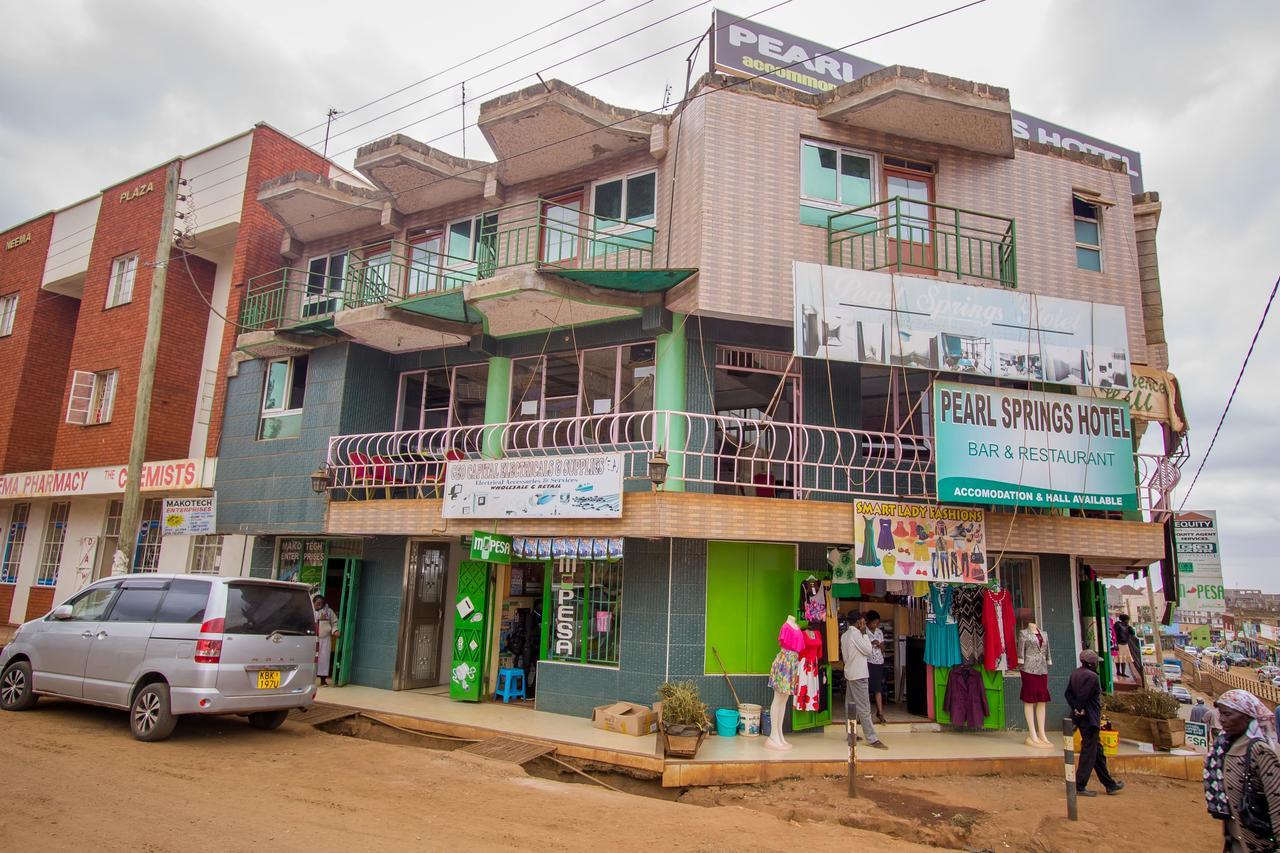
(172,475)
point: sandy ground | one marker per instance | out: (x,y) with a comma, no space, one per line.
(75,780)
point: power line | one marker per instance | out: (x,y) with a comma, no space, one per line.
(1258,331)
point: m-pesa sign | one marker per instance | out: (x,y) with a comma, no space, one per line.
(174,475)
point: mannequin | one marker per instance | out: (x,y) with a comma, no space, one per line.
(783,676)
(1033,651)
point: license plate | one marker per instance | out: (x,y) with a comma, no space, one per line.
(268,679)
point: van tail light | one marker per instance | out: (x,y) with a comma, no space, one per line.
(208,651)
(213,626)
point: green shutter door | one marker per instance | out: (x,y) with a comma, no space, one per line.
(350,603)
(470,632)
(769,600)
(728,578)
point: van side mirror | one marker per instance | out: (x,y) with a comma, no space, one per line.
(62,612)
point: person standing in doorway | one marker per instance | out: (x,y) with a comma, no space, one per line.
(1084,695)
(875,664)
(326,630)
(856,648)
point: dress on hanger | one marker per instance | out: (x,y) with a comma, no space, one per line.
(968,610)
(998,628)
(813,601)
(842,575)
(808,686)
(1033,649)
(785,670)
(941,635)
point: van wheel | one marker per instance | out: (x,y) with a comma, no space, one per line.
(268,720)
(150,718)
(15,687)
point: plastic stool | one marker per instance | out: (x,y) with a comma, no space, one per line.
(510,684)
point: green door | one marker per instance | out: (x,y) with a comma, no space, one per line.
(348,604)
(470,632)
(801,720)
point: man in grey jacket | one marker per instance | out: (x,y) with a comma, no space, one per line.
(855,648)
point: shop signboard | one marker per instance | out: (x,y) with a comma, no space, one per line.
(194,516)
(919,542)
(491,547)
(1195,537)
(878,318)
(744,48)
(1268,632)
(470,632)
(587,485)
(171,476)
(302,561)
(1023,447)
(1197,735)
(1152,395)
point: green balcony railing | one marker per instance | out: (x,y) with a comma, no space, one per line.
(906,235)
(533,233)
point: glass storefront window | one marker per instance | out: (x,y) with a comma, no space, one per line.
(584,612)
(1021,576)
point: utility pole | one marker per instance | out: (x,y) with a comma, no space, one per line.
(132,512)
(1155,629)
(333,113)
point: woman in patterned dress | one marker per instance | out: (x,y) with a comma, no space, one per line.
(1248,739)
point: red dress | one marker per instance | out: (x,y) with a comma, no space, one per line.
(808,691)
(998,631)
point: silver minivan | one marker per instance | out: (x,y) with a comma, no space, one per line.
(167,645)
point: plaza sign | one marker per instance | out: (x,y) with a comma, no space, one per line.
(1021,447)
(174,475)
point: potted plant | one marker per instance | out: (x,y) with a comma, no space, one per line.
(682,718)
(1146,715)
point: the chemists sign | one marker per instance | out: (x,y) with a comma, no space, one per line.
(1021,447)
(1195,536)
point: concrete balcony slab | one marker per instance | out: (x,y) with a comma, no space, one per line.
(524,300)
(395,330)
(419,177)
(313,208)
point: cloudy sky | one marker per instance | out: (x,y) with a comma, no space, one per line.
(94,92)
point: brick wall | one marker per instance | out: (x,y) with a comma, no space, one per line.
(41,343)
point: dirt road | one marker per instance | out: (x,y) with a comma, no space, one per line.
(75,780)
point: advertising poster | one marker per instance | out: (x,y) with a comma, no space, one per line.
(1195,536)
(877,318)
(194,516)
(587,485)
(1023,447)
(919,542)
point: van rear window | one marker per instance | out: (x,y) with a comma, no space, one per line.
(254,608)
(184,603)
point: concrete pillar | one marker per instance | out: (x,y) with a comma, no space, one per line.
(497,402)
(1146,217)
(670,392)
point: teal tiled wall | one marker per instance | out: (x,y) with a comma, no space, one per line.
(378,616)
(1058,617)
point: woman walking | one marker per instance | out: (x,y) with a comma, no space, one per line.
(326,630)
(1242,774)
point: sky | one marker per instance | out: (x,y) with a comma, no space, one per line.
(94,92)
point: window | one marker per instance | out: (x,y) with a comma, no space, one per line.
(472,248)
(259,608)
(630,200)
(374,275)
(611,380)
(184,603)
(146,557)
(110,538)
(93,396)
(206,555)
(424,263)
(1021,576)
(55,536)
(584,600)
(283,389)
(89,605)
(120,288)
(14,540)
(1088,225)
(8,310)
(326,277)
(835,176)
(442,397)
(137,601)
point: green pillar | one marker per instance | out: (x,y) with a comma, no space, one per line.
(497,403)
(670,395)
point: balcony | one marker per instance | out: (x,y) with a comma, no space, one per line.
(907,236)
(487,274)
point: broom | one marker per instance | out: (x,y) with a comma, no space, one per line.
(736,700)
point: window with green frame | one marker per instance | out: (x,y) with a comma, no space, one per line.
(582,612)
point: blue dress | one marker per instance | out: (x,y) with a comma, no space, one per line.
(941,633)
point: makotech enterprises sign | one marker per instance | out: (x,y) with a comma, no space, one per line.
(1016,447)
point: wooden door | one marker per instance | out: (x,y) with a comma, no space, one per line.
(912,235)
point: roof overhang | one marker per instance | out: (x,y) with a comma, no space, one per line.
(418,177)
(547,129)
(271,343)
(313,208)
(524,301)
(917,104)
(397,329)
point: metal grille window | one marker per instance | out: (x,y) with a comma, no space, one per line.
(206,555)
(585,607)
(146,558)
(55,536)
(8,310)
(14,540)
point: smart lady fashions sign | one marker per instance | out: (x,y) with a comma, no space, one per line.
(919,542)
(1022,447)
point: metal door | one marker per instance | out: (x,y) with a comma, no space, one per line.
(348,605)
(470,632)
(427,577)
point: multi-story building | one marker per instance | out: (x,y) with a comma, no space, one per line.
(75,288)
(592,344)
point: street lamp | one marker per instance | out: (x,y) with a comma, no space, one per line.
(658,469)
(320,480)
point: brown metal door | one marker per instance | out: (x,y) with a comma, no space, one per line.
(423,623)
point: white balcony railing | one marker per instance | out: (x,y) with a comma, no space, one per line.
(705,452)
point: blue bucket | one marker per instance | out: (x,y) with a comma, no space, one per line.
(727,722)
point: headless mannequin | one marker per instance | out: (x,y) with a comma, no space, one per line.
(1035,713)
(778,711)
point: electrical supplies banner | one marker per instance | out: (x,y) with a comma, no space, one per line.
(919,542)
(1022,447)
(1195,536)
(587,485)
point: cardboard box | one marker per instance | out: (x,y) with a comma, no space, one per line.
(626,718)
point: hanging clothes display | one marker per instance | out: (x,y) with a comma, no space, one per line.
(966,698)
(941,635)
(843,580)
(998,629)
(813,601)
(968,611)
(808,684)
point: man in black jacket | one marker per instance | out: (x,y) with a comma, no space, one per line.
(1084,695)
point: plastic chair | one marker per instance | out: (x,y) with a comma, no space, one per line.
(510,684)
